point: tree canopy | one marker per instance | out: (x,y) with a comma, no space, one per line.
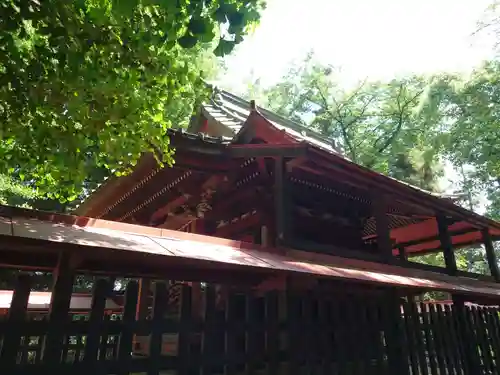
(93,83)
(381,125)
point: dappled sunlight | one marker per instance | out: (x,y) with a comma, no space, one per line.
(5,226)
(86,236)
(199,250)
(102,237)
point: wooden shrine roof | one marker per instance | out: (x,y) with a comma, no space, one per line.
(111,247)
(232,111)
(198,156)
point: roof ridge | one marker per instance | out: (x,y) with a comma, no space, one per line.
(273,116)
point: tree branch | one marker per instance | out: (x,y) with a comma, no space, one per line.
(401,117)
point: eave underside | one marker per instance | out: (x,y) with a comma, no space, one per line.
(173,197)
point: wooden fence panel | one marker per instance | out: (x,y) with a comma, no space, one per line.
(272,333)
(437,336)
(12,337)
(160,307)
(309,334)
(493,335)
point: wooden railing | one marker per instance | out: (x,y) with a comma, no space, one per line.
(280,333)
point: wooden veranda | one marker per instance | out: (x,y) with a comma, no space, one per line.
(286,311)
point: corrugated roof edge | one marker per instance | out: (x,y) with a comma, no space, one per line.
(200,136)
(161,242)
(273,116)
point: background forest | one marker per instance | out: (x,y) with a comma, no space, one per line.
(65,131)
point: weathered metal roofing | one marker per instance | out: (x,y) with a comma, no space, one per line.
(91,235)
(232,111)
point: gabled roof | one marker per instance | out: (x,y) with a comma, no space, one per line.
(232,111)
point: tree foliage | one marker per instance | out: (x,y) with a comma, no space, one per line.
(93,83)
(13,193)
(381,125)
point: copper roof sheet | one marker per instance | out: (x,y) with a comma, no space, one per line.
(93,233)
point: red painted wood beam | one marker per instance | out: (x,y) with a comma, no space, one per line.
(267,150)
(193,191)
(266,131)
(238,225)
(203,163)
(370,179)
(204,126)
(247,195)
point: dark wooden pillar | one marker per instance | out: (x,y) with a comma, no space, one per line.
(490,255)
(111,284)
(281,203)
(15,321)
(466,337)
(64,276)
(397,355)
(384,242)
(144,293)
(446,245)
(264,236)
(403,256)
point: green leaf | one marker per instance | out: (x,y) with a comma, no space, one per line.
(188,41)
(223,48)
(220,15)
(236,18)
(81,91)
(197,26)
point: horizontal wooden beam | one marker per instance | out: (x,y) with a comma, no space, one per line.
(435,238)
(238,226)
(235,277)
(266,150)
(409,194)
(332,250)
(442,270)
(191,192)
(456,246)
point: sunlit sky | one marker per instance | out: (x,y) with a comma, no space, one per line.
(377,39)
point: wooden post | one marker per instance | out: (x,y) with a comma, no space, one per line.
(111,283)
(384,243)
(15,321)
(101,290)
(490,255)
(160,305)
(125,341)
(446,245)
(64,276)
(394,334)
(281,201)
(403,256)
(264,236)
(144,293)
(467,337)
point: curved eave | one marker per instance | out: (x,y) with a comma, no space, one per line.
(124,249)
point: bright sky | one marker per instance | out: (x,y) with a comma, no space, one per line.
(367,38)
